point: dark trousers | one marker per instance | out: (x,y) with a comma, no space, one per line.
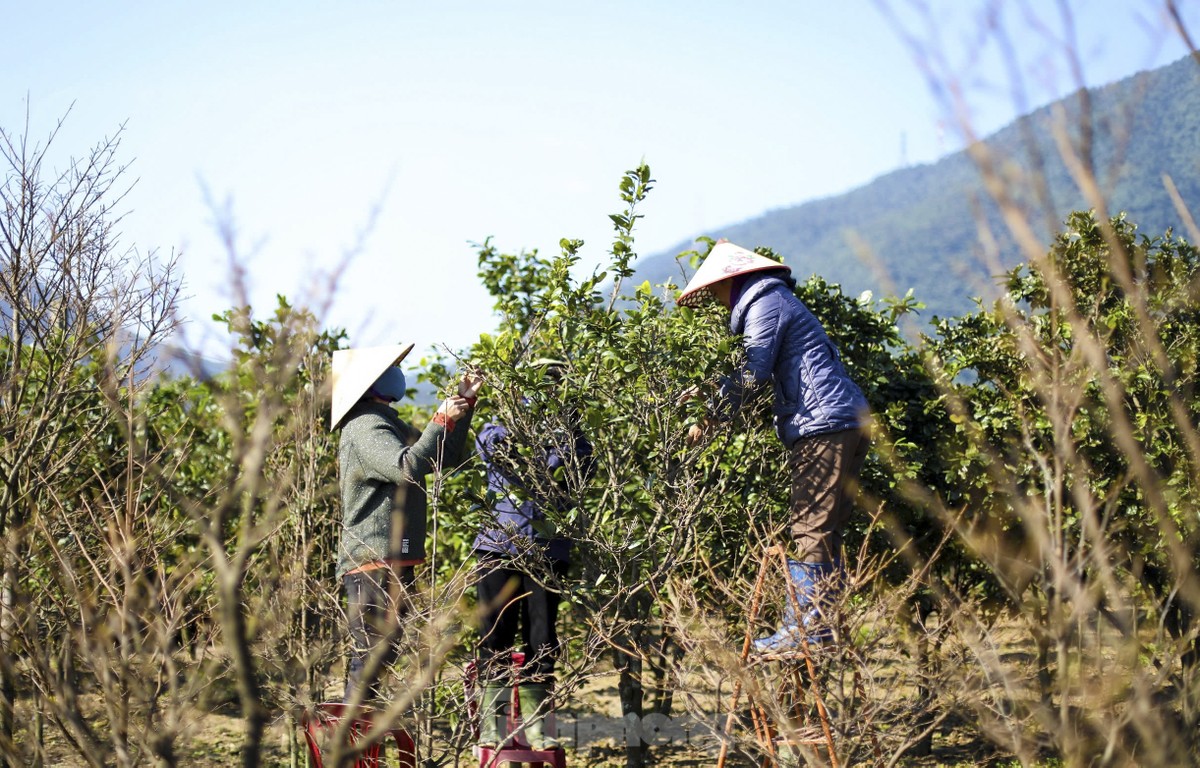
(376,603)
(510,597)
(824,472)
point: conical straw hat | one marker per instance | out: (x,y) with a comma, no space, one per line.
(355,370)
(725,260)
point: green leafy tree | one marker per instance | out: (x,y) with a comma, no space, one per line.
(664,533)
(1075,403)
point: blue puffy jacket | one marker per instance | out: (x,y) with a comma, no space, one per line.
(787,345)
(515,519)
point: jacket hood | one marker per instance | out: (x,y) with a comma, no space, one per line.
(755,286)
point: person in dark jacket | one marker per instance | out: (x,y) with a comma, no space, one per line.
(819,413)
(382,464)
(521,561)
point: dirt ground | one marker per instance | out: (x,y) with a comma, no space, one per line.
(591,728)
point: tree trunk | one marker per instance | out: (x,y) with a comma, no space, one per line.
(293,743)
(665,660)
(39,730)
(233,624)
(927,672)
(629,688)
(8,683)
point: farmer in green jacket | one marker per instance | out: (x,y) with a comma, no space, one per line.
(382,467)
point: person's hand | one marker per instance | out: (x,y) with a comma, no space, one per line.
(696,433)
(691,393)
(454,408)
(470,385)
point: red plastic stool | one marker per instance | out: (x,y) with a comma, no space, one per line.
(494,758)
(324,720)
(518,750)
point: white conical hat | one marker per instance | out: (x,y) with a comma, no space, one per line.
(355,370)
(725,260)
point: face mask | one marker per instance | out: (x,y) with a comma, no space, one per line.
(390,385)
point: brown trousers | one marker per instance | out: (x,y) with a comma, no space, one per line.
(824,472)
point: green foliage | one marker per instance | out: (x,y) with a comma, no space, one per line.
(658,514)
(1003,412)
(1088,331)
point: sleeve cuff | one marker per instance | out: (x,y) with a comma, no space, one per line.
(445,421)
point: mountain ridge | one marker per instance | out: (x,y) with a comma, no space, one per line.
(921,224)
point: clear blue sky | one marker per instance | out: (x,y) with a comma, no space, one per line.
(513,120)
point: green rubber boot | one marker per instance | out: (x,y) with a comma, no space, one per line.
(492,716)
(534,709)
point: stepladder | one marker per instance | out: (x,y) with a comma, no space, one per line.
(784,693)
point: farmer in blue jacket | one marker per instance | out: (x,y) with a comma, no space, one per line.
(819,413)
(521,561)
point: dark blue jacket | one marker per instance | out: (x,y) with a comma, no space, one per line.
(786,344)
(517,521)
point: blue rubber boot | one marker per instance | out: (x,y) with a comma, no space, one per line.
(817,586)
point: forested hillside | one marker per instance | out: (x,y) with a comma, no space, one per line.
(921,225)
